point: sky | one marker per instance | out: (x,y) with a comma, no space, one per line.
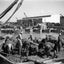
(32,8)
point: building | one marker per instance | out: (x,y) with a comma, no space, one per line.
(52,19)
(32,21)
(62,20)
(55,21)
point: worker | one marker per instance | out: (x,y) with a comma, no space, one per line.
(59,42)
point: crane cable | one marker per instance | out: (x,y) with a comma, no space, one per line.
(18,6)
(8,9)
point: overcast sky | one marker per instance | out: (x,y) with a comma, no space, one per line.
(33,8)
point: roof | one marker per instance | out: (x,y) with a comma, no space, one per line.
(36,17)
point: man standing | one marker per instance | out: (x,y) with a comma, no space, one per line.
(19,37)
(59,42)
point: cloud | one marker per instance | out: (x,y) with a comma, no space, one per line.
(7,0)
(37,0)
(55,0)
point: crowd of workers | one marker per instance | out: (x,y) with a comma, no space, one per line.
(43,47)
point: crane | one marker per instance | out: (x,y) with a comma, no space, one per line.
(25,14)
(9,8)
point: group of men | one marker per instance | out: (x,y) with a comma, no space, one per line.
(9,44)
(19,41)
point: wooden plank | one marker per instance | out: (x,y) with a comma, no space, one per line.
(2,58)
